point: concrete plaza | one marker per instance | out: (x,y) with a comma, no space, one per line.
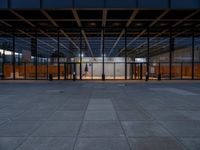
(87,115)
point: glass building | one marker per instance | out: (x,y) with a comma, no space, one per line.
(100,40)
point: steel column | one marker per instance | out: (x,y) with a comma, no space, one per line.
(103,53)
(148,47)
(58,57)
(80,55)
(13,54)
(193,47)
(125,54)
(171,47)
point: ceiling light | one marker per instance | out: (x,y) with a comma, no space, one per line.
(138,24)
(43,24)
(163,24)
(186,24)
(116,24)
(92,24)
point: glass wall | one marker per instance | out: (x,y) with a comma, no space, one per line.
(137,54)
(182,56)
(79,53)
(7,57)
(23,58)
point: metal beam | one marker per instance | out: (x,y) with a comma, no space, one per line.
(29,35)
(135,12)
(153,23)
(104,19)
(28,22)
(176,24)
(23,39)
(5,23)
(75,14)
(186,18)
(145,41)
(108,19)
(159,18)
(56,25)
(49,18)
(22,18)
(53,39)
(173,36)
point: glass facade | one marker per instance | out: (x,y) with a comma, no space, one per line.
(129,57)
(99,44)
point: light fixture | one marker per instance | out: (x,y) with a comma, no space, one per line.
(186,24)
(43,24)
(163,24)
(138,24)
(103,55)
(92,24)
(82,55)
(116,24)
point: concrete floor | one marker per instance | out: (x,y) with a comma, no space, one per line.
(60,115)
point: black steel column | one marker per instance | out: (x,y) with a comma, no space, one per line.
(58,57)
(80,55)
(103,53)
(3,63)
(181,70)
(92,72)
(25,70)
(148,47)
(13,55)
(171,48)
(114,71)
(65,71)
(125,54)
(34,53)
(47,68)
(193,47)
(36,57)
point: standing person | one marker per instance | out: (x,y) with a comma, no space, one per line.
(86,71)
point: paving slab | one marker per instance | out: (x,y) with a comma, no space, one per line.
(183,128)
(191,143)
(9,114)
(67,116)
(100,101)
(155,143)
(100,115)
(47,143)
(144,129)
(133,115)
(45,107)
(102,144)
(127,107)
(18,128)
(33,116)
(10,143)
(103,107)
(58,128)
(73,107)
(3,121)
(170,115)
(192,115)
(101,129)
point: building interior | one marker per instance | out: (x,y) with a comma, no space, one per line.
(100,44)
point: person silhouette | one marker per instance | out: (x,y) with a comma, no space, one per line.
(86,70)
